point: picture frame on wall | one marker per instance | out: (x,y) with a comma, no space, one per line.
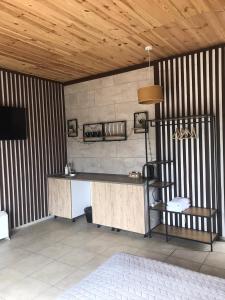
(139,121)
(72,128)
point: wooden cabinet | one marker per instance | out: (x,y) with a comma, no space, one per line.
(68,198)
(59,197)
(119,205)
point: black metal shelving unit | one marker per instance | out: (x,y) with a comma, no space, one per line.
(209,212)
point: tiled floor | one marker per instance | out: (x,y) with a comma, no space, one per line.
(44,259)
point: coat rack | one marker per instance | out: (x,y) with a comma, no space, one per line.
(200,221)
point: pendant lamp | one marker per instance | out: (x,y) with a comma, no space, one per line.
(151,94)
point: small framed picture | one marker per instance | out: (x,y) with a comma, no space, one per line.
(139,121)
(72,128)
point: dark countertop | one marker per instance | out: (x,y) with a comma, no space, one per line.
(101,177)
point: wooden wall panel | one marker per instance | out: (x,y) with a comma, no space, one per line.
(24,164)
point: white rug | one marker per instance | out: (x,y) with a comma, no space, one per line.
(128,277)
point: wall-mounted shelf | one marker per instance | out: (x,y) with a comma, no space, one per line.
(105,131)
(93,132)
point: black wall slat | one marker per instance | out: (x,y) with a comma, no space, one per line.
(211,111)
(194,81)
(158,135)
(174,114)
(199,145)
(189,150)
(24,165)
(218,130)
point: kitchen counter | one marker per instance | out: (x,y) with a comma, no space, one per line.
(102,177)
(117,201)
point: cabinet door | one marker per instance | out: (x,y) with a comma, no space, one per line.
(120,206)
(59,197)
(128,207)
(102,209)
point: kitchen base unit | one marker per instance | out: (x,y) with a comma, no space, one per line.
(121,206)
(68,198)
(117,201)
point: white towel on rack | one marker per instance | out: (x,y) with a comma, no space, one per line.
(178,204)
(180,200)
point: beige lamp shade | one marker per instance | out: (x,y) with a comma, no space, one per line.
(150,94)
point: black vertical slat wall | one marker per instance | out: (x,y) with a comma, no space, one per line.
(193,84)
(24,164)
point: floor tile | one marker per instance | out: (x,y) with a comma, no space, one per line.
(216,259)
(160,247)
(212,271)
(77,240)
(6,245)
(56,250)
(219,246)
(77,258)
(31,264)
(49,294)
(9,276)
(11,256)
(59,252)
(195,256)
(72,279)
(94,263)
(99,244)
(25,289)
(131,241)
(22,241)
(188,244)
(119,248)
(53,272)
(36,245)
(151,254)
(55,236)
(187,264)
(108,236)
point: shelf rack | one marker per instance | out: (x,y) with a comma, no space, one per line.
(210,213)
(105,131)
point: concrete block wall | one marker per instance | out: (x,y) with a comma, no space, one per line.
(108,99)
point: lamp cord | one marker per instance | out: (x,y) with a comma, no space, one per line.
(149,65)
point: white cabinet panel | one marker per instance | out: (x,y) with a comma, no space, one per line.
(4,226)
(81,197)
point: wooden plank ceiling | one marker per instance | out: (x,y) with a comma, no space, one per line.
(70,39)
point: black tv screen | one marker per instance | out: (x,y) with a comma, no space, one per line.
(12,123)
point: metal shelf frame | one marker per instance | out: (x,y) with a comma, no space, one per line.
(102,136)
(171,122)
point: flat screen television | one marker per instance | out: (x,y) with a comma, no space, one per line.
(13,123)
